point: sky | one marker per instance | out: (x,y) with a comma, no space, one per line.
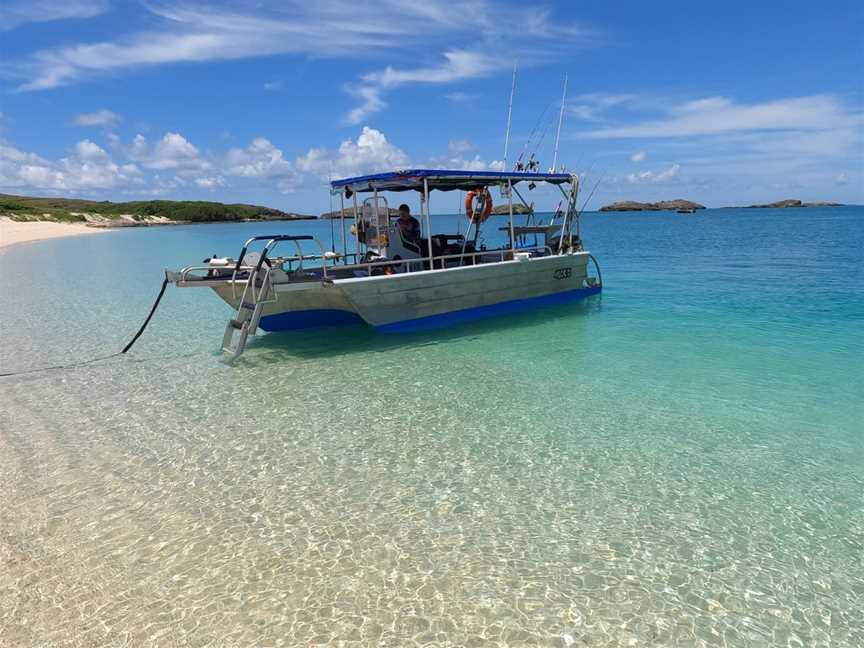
(263,101)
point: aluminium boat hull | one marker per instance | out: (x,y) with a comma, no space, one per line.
(425,300)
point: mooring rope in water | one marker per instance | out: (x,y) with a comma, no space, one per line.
(147,321)
(82,363)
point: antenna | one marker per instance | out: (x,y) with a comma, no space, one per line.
(560,122)
(509,115)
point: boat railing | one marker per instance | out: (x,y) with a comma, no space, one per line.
(502,254)
(190,273)
(272,242)
(597,268)
(252,277)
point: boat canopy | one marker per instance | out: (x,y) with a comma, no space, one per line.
(440,179)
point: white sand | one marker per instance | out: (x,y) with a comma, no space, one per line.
(12,232)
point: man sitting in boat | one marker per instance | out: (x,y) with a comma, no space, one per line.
(408,226)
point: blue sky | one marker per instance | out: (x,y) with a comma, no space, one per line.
(722,103)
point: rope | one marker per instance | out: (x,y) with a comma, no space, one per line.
(147,321)
(66,366)
(82,363)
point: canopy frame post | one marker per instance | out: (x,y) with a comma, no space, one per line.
(522,200)
(510,204)
(342,219)
(378,223)
(568,215)
(356,225)
(578,213)
(424,199)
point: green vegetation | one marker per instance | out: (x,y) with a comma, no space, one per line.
(24,208)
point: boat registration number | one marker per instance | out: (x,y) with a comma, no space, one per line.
(563,273)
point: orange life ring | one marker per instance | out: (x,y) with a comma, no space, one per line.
(469,204)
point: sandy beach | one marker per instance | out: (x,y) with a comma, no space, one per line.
(13,232)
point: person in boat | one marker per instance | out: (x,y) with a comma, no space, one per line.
(408,226)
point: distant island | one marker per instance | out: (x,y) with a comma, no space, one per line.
(686,205)
(663,205)
(135,214)
(781,204)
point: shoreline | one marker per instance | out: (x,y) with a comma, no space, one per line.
(20,232)
(14,233)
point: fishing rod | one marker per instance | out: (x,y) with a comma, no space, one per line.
(532,160)
(556,212)
(560,123)
(590,195)
(509,116)
(531,135)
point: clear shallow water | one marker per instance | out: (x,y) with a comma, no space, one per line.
(677,462)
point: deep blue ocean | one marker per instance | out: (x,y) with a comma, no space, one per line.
(679,461)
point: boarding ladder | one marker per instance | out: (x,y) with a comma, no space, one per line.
(258,291)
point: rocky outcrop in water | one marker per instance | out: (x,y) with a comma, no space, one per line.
(663,205)
(349,213)
(782,204)
(518,208)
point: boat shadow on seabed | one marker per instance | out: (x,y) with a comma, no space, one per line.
(346,340)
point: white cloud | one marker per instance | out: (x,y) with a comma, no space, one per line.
(89,167)
(606,100)
(323,29)
(369,154)
(261,160)
(457,157)
(460,146)
(172,151)
(592,106)
(98,118)
(460,163)
(716,115)
(19,12)
(459,97)
(842,179)
(458,65)
(583,112)
(373,153)
(273,85)
(92,168)
(21,169)
(654,177)
(639,156)
(211,182)
(371,102)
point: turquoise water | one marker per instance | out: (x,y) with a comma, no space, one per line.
(678,462)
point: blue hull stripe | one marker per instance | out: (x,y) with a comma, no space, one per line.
(325,317)
(492,310)
(308,319)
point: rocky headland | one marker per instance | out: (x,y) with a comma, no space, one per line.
(144,213)
(663,205)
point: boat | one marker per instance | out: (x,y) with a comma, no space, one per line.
(374,275)
(686,210)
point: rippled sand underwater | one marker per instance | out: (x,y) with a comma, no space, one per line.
(642,477)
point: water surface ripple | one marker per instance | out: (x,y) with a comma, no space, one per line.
(679,462)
